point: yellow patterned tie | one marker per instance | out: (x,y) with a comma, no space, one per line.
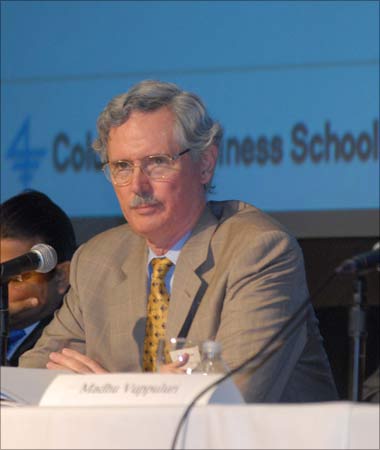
(157,312)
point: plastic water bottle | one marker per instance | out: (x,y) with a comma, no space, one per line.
(211,361)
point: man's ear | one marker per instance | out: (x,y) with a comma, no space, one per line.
(208,163)
(62,272)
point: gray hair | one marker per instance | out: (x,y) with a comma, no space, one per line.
(194,128)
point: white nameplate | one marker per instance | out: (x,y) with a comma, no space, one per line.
(136,389)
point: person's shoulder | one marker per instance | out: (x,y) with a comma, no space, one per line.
(236,213)
(116,240)
(111,234)
(243,228)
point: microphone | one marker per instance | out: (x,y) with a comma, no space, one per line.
(362,262)
(41,258)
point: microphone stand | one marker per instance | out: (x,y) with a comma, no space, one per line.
(4,322)
(358,334)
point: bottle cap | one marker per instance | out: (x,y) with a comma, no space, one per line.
(211,348)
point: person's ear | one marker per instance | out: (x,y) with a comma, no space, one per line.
(208,162)
(62,273)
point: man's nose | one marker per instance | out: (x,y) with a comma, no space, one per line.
(138,178)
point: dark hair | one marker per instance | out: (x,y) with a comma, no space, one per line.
(33,214)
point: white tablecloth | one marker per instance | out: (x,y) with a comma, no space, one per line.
(338,425)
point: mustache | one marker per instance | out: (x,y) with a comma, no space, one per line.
(143,200)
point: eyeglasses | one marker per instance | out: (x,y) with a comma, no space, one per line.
(156,167)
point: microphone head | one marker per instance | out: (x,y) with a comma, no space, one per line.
(361,263)
(47,255)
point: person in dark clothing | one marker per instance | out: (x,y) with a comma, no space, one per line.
(27,219)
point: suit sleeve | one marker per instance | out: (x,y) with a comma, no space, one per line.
(65,330)
(265,286)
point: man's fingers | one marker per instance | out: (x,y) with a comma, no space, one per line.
(53,366)
(22,305)
(74,361)
(68,363)
(181,361)
(176,366)
(85,360)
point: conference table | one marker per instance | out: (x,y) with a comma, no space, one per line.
(330,425)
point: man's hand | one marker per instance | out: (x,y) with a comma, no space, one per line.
(74,361)
(175,367)
(18,306)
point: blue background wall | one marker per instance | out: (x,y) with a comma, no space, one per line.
(295,85)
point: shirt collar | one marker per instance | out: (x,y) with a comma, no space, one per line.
(28,330)
(173,253)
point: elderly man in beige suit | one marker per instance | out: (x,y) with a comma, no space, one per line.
(236,275)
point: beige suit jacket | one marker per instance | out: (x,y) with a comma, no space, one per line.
(247,274)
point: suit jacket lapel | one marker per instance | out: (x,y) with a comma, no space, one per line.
(189,284)
(129,296)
